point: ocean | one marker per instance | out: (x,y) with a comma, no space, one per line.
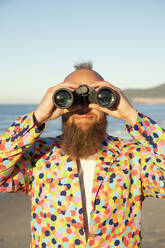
(9,113)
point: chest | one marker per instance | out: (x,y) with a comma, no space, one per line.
(57,178)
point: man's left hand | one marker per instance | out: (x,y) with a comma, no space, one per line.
(122,108)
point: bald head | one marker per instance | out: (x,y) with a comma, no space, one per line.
(84,76)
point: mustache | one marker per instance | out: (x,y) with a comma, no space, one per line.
(79,112)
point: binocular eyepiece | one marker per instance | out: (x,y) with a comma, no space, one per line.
(104,96)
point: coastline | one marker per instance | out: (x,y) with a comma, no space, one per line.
(147,100)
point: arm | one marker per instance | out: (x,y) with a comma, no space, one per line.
(147,133)
(152,140)
(16,155)
(17,144)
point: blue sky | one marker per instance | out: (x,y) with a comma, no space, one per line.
(40,40)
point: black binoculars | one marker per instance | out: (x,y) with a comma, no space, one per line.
(104,96)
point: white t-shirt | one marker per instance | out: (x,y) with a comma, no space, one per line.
(86,170)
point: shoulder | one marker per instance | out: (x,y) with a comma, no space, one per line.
(120,143)
(48,143)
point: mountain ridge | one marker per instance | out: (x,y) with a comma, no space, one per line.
(154,92)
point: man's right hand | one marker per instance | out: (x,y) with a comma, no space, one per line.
(47,110)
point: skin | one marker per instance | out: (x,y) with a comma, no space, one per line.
(84,115)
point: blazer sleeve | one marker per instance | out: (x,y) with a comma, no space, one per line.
(16,155)
(152,155)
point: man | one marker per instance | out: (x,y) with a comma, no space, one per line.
(86,187)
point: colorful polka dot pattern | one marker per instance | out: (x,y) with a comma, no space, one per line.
(126,172)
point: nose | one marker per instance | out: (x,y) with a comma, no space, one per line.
(85,106)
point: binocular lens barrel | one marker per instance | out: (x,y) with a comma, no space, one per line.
(63,98)
(105,97)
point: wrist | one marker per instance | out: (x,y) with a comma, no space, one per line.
(38,121)
(131,117)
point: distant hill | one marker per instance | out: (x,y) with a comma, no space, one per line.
(155,92)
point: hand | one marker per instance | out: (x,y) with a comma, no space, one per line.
(122,109)
(47,110)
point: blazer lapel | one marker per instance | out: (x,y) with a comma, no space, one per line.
(104,162)
(70,171)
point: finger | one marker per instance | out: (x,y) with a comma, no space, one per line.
(102,109)
(103,84)
(97,107)
(71,85)
(57,113)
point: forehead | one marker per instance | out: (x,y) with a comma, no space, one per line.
(83,76)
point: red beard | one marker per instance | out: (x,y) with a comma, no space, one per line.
(78,143)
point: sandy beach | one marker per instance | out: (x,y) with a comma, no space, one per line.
(15,222)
